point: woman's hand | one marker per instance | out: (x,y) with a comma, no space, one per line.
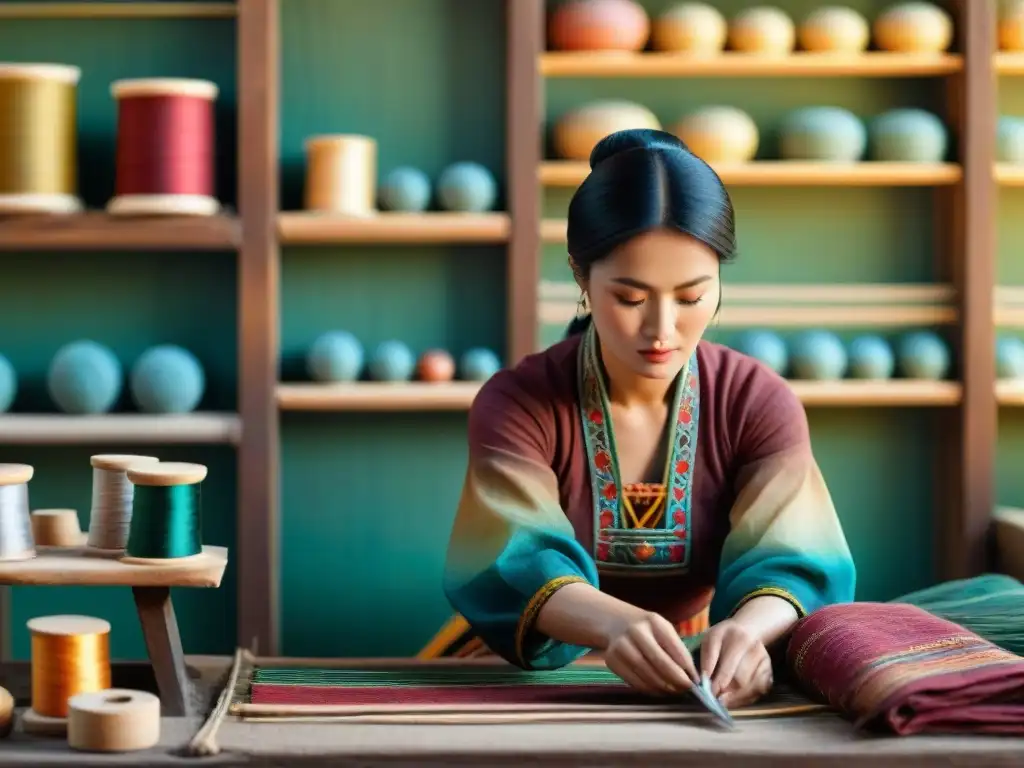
(737,662)
(649,655)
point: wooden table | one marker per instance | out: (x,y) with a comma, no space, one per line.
(151,588)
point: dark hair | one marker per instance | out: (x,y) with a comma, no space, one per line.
(640,180)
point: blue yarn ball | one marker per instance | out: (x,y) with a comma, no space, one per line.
(466,187)
(822,134)
(335,356)
(1010,140)
(478,364)
(908,136)
(8,384)
(765,346)
(817,355)
(923,355)
(405,189)
(1009,358)
(84,377)
(167,379)
(871,357)
(392,361)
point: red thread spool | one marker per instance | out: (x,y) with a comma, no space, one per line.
(165,147)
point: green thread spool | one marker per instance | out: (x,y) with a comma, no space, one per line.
(167,520)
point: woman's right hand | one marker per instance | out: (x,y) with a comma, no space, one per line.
(648,654)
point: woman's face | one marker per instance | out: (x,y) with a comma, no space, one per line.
(652,299)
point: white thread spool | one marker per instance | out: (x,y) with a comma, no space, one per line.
(341,175)
(112,495)
(16,542)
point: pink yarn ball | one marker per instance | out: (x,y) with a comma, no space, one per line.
(599,25)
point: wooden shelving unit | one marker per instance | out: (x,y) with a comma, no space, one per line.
(781,173)
(118,10)
(120,428)
(1009,175)
(653,64)
(302,228)
(100,231)
(888,393)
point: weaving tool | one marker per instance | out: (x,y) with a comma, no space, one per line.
(707,698)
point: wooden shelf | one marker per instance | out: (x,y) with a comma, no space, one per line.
(784,173)
(1009,175)
(120,428)
(117,10)
(100,231)
(374,396)
(800,64)
(1009,63)
(1010,392)
(308,228)
(893,392)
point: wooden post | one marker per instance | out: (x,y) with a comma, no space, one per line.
(258,270)
(524,95)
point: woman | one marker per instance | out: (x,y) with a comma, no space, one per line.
(632,477)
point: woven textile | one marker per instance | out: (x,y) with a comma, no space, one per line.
(902,669)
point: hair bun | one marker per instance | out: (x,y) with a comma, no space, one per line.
(635,138)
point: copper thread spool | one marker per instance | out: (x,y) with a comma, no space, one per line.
(70,655)
(341,175)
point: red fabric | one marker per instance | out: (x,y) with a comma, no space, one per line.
(901,669)
(263,693)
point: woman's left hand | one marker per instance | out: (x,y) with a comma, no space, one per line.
(737,662)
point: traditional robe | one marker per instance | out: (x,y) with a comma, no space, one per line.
(743,509)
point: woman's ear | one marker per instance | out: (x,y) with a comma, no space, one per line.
(577,275)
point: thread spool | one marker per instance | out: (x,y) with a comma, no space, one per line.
(70,656)
(165,147)
(341,175)
(56,528)
(115,720)
(167,517)
(16,542)
(110,516)
(38,138)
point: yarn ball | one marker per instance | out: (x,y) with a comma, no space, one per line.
(598,25)
(719,134)
(915,27)
(167,379)
(478,365)
(577,132)
(764,30)
(834,29)
(8,384)
(1011,25)
(697,29)
(817,355)
(1010,140)
(405,189)
(392,361)
(765,346)
(335,356)
(466,187)
(435,365)
(871,357)
(824,134)
(84,377)
(908,136)
(1009,358)
(923,355)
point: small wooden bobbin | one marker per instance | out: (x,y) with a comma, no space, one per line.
(165,474)
(39,724)
(341,175)
(56,528)
(115,720)
(16,542)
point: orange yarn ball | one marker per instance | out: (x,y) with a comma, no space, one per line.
(435,365)
(599,25)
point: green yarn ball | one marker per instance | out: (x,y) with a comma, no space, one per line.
(908,136)
(924,355)
(818,355)
(167,379)
(1010,140)
(8,384)
(822,134)
(466,188)
(84,377)
(405,189)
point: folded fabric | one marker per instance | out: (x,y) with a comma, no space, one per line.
(899,668)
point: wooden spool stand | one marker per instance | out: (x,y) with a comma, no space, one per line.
(151,588)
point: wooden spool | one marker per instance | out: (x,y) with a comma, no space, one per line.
(341,175)
(164,474)
(115,720)
(38,139)
(56,528)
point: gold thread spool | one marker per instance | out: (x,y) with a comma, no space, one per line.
(341,175)
(38,138)
(16,542)
(70,655)
(116,720)
(56,528)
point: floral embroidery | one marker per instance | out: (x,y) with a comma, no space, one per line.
(616,546)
